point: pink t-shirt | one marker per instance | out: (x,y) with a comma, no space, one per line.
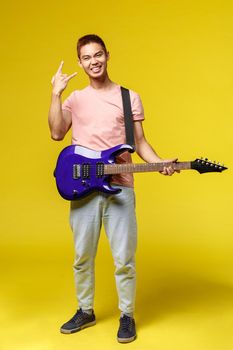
(98,122)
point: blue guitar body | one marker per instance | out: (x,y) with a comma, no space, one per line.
(80,170)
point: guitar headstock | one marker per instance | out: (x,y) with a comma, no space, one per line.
(203,165)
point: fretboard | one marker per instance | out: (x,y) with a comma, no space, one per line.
(110,169)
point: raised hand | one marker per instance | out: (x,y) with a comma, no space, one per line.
(60,80)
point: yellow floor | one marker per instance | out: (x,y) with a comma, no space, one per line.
(175,310)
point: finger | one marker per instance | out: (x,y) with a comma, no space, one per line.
(52,80)
(164,171)
(71,76)
(169,170)
(60,67)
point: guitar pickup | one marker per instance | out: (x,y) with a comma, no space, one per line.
(99,169)
(86,171)
(76,171)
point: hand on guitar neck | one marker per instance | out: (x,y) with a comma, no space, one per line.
(169,170)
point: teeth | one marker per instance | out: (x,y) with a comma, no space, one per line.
(96,69)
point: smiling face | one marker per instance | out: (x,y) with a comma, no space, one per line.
(93,59)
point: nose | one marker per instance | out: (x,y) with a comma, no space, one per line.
(93,60)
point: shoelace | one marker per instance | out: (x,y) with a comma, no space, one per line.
(126,323)
(78,316)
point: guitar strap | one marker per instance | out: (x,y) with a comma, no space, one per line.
(129,129)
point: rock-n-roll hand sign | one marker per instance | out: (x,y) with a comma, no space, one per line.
(60,80)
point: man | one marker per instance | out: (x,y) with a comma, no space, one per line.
(96,116)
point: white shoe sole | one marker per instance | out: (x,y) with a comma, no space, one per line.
(126,340)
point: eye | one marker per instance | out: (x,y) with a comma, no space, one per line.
(99,54)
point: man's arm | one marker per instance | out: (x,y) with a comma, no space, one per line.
(146,152)
(59,121)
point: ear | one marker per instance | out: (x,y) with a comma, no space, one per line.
(79,63)
(108,55)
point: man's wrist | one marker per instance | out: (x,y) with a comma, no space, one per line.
(56,93)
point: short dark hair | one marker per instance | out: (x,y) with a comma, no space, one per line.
(87,39)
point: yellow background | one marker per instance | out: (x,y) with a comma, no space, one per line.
(178,56)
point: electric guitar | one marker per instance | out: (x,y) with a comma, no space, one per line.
(80,170)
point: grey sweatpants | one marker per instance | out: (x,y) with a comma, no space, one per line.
(117,212)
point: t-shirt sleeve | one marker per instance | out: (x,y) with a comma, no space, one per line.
(137,107)
(68,103)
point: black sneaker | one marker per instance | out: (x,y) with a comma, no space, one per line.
(79,321)
(126,332)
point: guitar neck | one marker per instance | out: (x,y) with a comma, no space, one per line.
(110,169)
